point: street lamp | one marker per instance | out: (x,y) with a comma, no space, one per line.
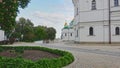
(22,37)
(109,20)
(21,31)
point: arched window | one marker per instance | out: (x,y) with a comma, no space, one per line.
(117,31)
(116,2)
(71,34)
(65,34)
(91,31)
(93,5)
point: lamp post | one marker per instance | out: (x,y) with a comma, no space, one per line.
(109,20)
(21,31)
(68,34)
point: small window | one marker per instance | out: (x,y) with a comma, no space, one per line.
(93,5)
(116,3)
(117,31)
(91,31)
(77,11)
(77,34)
(62,36)
(65,34)
(71,34)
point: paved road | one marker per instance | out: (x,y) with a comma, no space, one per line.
(90,58)
(72,48)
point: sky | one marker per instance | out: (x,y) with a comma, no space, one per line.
(50,13)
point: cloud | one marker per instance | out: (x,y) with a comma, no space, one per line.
(52,17)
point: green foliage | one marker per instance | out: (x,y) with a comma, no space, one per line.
(40,32)
(19,50)
(65,59)
(23,3)
(8,13)
(1,49)
(51,32)
(24,27)
(30,33)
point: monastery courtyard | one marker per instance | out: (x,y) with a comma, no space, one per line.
(87,55)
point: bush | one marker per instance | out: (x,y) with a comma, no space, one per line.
(11,40)
(65,59)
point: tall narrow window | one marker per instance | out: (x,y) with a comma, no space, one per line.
(71,34)
(93,5)
(65,34)
(77,34)
(77,11)
(117,31)
(116,3)
(91,31)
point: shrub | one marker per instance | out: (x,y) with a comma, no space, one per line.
(65,59)
(1,49)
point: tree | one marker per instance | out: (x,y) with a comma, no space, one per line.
(8,13)
(24,28)
(51,33)
(40,32)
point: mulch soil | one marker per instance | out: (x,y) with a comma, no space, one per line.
(33,55)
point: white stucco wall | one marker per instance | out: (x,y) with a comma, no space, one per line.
(98,19)
(115,38)
(1,35)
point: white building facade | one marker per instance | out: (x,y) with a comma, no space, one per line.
(1,35)
(96,21)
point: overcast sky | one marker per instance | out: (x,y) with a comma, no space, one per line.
(51,13)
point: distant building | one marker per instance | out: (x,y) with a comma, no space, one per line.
(96,21)
(1,35)
(68,32)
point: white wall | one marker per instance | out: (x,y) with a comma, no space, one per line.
(96,18)
(68,34)
(1,35)
(115,38)
(101,32)
(98,32)
(86,14)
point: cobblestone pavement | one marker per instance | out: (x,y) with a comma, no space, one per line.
(88,55)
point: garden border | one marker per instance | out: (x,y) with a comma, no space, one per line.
(65,59)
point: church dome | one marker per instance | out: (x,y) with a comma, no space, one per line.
(66,26)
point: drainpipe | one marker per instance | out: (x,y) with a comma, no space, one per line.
(109,10)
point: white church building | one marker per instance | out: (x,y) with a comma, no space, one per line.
(68,32)
(96,21)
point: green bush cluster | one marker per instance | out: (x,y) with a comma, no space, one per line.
(64,59)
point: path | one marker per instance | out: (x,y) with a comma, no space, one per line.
(87,56)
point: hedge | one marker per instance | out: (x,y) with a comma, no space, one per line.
(65,58)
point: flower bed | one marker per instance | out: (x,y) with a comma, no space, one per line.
(64,59)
